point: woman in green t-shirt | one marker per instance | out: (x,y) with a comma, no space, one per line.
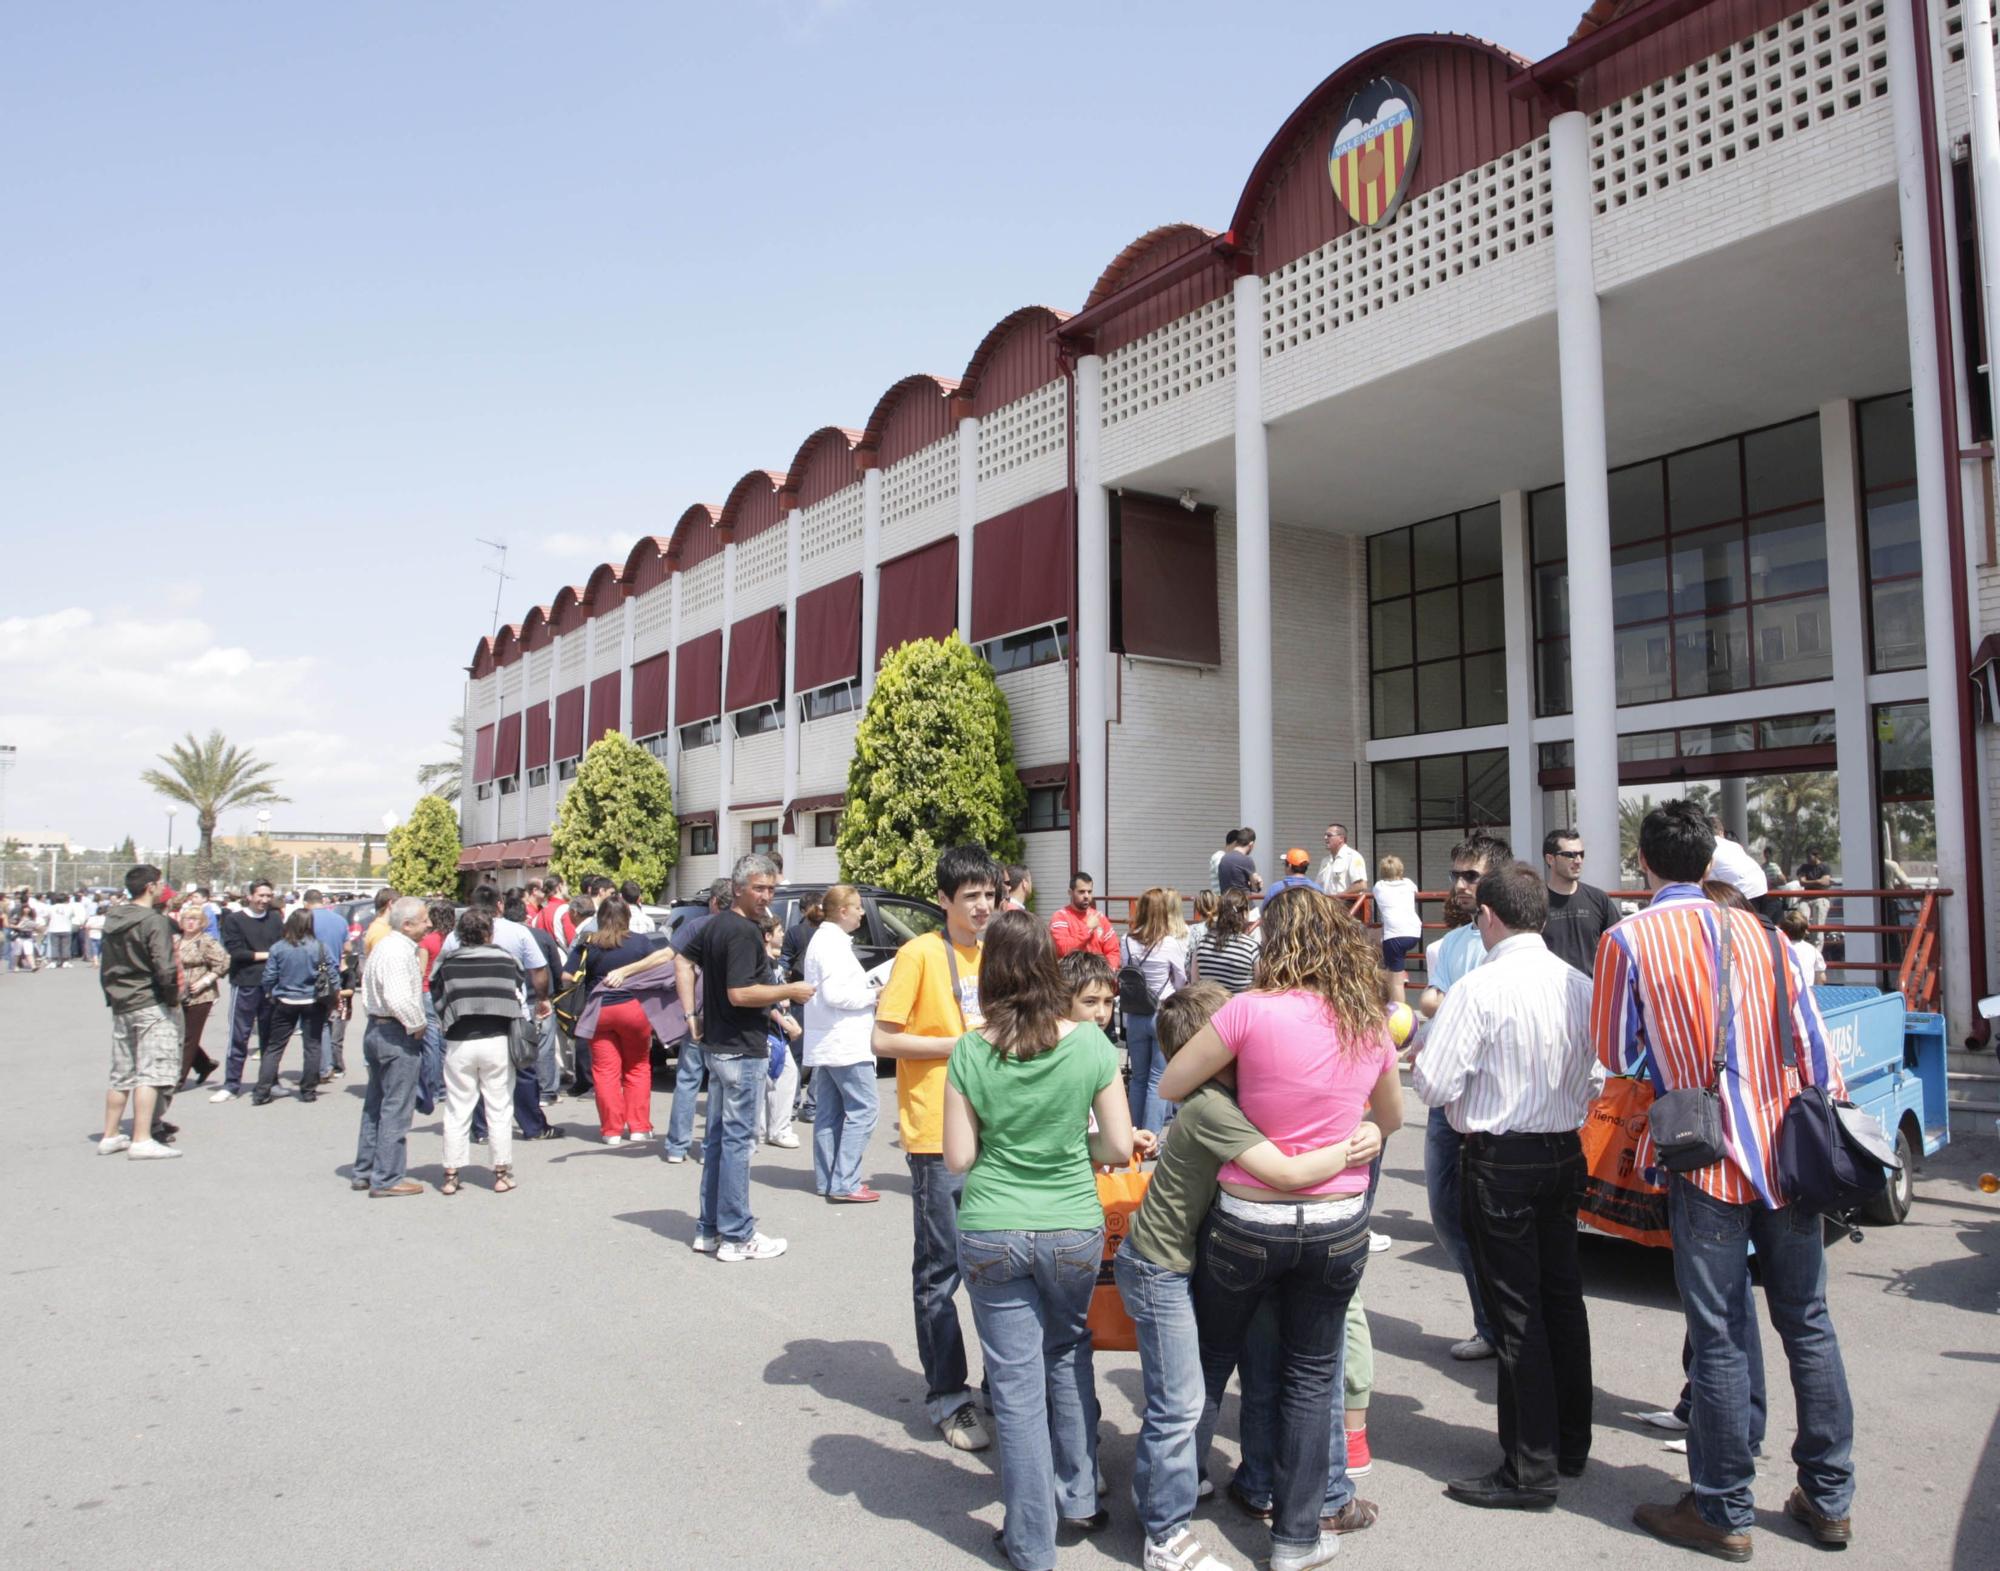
(1019,1093)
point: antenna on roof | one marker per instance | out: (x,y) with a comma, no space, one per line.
(499,570)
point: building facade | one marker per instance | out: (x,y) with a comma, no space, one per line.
(1536,437)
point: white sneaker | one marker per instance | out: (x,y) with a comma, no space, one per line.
(674,1161)
(965,1430)
(1305,1559)
(1663,1419)
(151,1151)
(224,1095)
(704,1244)
(111,1145)
(1182,1552)
(1471,1349)
(758,1248)
(787,1141)
(1377,1242)
(614,1140)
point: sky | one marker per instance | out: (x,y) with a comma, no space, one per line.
(300,302)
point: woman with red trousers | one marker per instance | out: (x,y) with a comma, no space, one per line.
(621,1048)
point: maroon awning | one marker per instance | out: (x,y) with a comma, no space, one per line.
(1022,565)
(649,697)
(482,755)
(698,679)
(828,634)
(604,704)
(706,816)
(919,596)
(756,660)
(468,859)
(539,848)
(1046,774)
(1167,585)
(569,724)
(823,803)
(538,735)
(507,749)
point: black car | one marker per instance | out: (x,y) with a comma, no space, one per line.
(888,920)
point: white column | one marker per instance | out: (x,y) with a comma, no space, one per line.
(1853,727)
(788,840)
(625,671)
(1933,521)
(871,585)
(726,739)
(1524,793)
(1256,780)
(1586,495)
(1985,103)
(1091,637)
(673,727)
(968,518)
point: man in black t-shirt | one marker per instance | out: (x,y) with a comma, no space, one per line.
(731,1026)
(1237,868)
(1579,915)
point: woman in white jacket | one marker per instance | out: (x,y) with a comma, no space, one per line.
(839,1049)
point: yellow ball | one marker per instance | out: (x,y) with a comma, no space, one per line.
(1402,1021)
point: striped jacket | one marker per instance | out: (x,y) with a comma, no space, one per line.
(477,992)
(1653,1009)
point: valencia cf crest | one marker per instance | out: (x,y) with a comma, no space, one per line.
(1375,151)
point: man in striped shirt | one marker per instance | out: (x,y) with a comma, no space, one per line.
(1509,1061)
(1654,1008)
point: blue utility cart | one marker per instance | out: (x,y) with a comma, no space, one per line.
(1893,1059)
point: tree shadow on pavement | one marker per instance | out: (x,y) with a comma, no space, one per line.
(866,1375)
(921,1487)
(1968,1280)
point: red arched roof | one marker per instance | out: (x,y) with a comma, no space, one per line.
(911,414)
(605,590)
(1468,119)
(694,538)
(1155,248)
(482,658)
(823,465)
(646,564)
(507,645)
(752,507)
(566,614)
(535,630)
(1016,356)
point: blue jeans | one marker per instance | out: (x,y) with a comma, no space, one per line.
(1257,1376)
(687,1087)
(1166,1472)
(333,1049)
(249,1009)
(1030,1302)
(548,1067)
(393,1056)
(1442,1146)
(735,1085)
(1712,1271)
(934,1192)
(843,1119)
(1142,1092)
(430,1075)
(1310,1270)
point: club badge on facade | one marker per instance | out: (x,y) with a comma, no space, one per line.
(1375,151)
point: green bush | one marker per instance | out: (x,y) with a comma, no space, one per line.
(933,767)
(617,819)
(423,852)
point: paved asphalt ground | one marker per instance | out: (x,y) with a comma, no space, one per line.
(233,1361)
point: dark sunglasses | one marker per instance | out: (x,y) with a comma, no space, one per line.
(1466,875)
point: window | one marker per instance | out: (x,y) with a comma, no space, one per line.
(509,784)
(1019,651)
(701,734)
(1048,808)
(835,699)
(701,839)
(763,836)
(566,770)
(661,746)
(1748,742)
(903,920)
(484,789)
(1436,631)
(1718,572)
(1889,534)
(539,775)
(826,828)
(755,722)
(1425,806)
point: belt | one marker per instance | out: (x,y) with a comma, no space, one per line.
(1268,1211)
(1563,1138)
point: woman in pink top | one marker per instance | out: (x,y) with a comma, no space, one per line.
(1312,1059)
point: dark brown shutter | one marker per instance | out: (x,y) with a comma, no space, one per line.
(507,749)
(604,704)
(1022,564)
(649,697)
(919,596)
(756,661)
(698,679)
(482,755)
(538,735)
(1166,581)
(828,635)
(569,724)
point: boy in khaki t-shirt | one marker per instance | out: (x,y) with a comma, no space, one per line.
(931,1000)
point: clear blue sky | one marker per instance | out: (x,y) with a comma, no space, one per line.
(298,300)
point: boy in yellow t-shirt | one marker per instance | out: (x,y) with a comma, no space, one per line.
(932,999)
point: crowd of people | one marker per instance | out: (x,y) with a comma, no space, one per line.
(1260,1072)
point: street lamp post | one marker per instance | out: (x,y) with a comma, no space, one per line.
(170,843)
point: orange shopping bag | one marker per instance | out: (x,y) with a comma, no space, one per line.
(1616,1197)
(1119,1191)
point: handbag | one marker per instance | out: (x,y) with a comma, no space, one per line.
(1687,1124)
(1119,1191)
(326,980)
(524,1043)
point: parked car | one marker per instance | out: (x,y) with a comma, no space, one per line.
(888,922)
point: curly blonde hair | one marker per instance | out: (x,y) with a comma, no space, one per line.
(1311,945)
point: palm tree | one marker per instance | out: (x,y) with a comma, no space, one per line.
(212,776)
(444,778)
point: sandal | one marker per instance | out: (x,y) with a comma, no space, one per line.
(503,1180)
(450,1185)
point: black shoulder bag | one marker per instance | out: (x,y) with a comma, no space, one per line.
(1134,996)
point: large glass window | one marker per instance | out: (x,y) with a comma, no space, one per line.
(1895,553)
(1425,806)
(1718,572)
(1436,629)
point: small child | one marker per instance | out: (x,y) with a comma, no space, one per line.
(1806,955)
(1396,910)
(774,1113)
(1092,987)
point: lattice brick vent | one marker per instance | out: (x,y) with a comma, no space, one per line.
(1827,60)
(701,590)
(1189,353)
(831,524)
(653,613)
(761,559)
(572,649)
(926,478)
(1478,218)
(1023,431)
(538,671)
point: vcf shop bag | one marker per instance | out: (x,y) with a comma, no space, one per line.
(1119,1191)
(1616,1197)
(1687,1124)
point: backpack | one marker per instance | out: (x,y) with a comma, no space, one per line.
(1134,996)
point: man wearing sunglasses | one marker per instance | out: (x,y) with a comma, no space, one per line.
(1579,913)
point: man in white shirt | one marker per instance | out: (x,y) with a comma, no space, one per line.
(1509,1058)
(1737,867)
(1343,871)
(61,928)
